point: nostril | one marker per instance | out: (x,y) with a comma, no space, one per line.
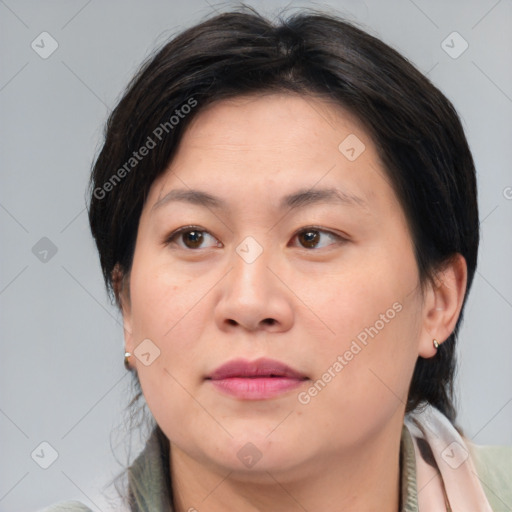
(268,321)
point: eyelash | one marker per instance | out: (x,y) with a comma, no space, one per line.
(185,229)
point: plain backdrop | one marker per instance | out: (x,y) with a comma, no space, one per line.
(61,372)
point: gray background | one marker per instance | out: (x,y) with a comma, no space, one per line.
(62,378)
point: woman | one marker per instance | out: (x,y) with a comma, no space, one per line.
(287,217)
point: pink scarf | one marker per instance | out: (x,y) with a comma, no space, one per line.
(454,484)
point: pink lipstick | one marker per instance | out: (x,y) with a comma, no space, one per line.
(255,380)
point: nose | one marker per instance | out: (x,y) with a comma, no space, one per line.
(253,297)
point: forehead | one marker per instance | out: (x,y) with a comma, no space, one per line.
(273,144)
(305,116)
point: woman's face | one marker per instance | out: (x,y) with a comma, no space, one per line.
(302,255)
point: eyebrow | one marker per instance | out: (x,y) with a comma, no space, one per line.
(299,199)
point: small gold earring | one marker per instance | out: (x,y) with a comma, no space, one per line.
(436,344)
(126,362)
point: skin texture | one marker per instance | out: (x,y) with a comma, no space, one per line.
(205,306)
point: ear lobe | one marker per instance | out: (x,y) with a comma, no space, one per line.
(442,304)
(121,286)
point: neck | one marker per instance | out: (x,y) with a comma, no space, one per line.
(363,479)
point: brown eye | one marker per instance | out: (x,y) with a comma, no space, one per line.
(192,238)
(311,238)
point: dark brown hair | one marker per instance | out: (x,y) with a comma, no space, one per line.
(415,128)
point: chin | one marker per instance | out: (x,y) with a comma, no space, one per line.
(254,453)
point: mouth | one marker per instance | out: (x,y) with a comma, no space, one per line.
(255,380)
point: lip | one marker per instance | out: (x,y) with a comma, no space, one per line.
(255,380)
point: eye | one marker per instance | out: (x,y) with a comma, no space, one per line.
(191,237)
(310,237)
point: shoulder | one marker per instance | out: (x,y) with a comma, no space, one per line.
(67,506)
(493,465)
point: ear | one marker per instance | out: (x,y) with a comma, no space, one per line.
(442,304)
(121,285)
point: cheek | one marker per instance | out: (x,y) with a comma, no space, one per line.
(163,311)
(172,309)
(161,298)
(366,302)
(374,313)
(362,381)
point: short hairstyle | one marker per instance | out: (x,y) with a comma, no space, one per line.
(415,128)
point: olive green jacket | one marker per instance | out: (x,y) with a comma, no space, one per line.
(148,478)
